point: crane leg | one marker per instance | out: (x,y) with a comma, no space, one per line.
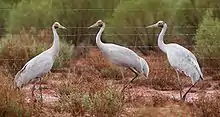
(136,75)
(180,84)
(122,73)
(40,88)
(32,93)
(184,96)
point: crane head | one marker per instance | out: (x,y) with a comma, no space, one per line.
(159,24)
(144,67)
(99,23)
(58,25)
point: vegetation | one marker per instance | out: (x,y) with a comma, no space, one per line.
(207,40)
(90,86)
(12,103)
(99,100)
(131,18)
(189,15)
(39,14)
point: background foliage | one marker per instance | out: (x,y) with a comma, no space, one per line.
(125,21)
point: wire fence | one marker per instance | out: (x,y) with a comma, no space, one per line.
(120,34)
(106,9)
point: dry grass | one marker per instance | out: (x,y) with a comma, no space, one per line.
(208,106)
(18,49)
(87,91)
(12,102)
(112,72)
(91,99)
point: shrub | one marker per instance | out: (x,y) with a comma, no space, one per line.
(12,103)
(16,50)
(131,17)
(75,13)
(207,40)
(105,102)
(66,53)
(189,14)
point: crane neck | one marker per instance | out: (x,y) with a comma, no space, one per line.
(161,43)
(98,36)
(55,47)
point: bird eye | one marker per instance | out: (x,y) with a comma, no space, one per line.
(55,26)
(160,25)
(99,24)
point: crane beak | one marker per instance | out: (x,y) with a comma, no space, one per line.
(62,27)
(152,26)
(92,26)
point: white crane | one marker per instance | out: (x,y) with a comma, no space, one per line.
(41,64)
(180,59)
(121,55)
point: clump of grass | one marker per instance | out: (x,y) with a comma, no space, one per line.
(105,101)
(100,63)
(208,106)
(163,83)
(111,72)
(12,102)
(97,60)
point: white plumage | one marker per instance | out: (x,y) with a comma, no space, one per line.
(40,64)
(184,61)
(180,58)
(120,55)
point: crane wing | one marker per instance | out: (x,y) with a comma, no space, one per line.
(121,55)
(183,60)
(34,68)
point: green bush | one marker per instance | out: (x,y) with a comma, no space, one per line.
(207,40)
(73,14)
(5,8)
(189,14)
(132,16)
(65,54)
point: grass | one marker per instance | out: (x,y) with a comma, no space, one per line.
(94,99)
(112,72)
(12,103)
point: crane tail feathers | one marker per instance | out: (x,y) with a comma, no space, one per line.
(17,76)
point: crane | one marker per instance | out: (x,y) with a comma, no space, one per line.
(180,58)
(120,55)
(41,64)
